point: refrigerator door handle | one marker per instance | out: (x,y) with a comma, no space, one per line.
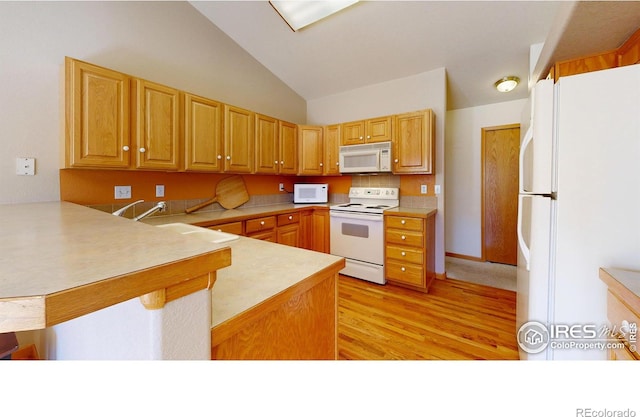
(521,243)
(528,136)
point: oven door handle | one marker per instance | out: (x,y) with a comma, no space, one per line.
(355,216)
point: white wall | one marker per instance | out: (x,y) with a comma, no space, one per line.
(427,90)
(166,42)
(463,171)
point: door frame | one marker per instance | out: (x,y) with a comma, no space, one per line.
(484,130)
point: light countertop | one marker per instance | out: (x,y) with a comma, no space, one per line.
(60,260)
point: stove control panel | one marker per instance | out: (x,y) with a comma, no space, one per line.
(374,192)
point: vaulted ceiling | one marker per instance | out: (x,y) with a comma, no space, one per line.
(477,42)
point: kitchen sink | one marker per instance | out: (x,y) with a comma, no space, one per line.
(209,235)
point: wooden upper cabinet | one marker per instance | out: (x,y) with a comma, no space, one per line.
(413,144)
(267,150)
(353,133)
(97,116)
(157,126)
(310,150)
(203,119)
(288,145)
(331,150)
(239,140)
(379,129)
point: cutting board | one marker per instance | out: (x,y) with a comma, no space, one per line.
(231,192)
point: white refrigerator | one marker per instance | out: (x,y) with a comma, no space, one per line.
(579,209)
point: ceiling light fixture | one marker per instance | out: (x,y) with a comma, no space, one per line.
(298,14)
(506,84)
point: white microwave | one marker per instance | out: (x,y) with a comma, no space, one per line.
(371,157)
(310,193)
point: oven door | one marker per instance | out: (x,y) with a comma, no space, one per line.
(357,236)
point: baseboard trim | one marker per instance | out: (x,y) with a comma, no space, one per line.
(442,275)
(460,256)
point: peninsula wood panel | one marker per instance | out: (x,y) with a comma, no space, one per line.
(300,323)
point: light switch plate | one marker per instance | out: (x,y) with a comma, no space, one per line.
(159,190)
(423,189)
(122,192)
(25,166)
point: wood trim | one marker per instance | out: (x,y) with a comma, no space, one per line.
(629,52)
(230,327)
(461,256)
(69,304)
(157,299)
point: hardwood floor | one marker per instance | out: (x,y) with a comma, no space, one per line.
(455,320)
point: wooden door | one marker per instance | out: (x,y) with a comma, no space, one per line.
(203,134)
(157,124)
(266,145)
(331,150)
(413,145)
(98,107)
(288,148)
(239,140)
(500,147)
(310,150)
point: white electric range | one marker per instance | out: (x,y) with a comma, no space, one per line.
(357,231)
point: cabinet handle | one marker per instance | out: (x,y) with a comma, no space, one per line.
(337,163)
(361,138)
(403,269)
(276,162)
(403,237)
(395,160)
(281,162)
(142,150)
(368,136)
(402,222)
(125,148)
(290,217)
(321,164)
(219,156)
(228,158)
(262,223)
(403,253)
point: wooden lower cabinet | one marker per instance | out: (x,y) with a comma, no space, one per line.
(235,228)
(623,312)
(299,323)
(409,250)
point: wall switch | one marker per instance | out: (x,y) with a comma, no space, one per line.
(436,189)
(423,189)
(281,187)
(122,192)
(25,166)
(159,190)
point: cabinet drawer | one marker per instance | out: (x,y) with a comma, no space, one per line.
(268,235)
(405,254)
(405,272)
(617,313)
(405,223)
(235,228)
(260,224)
(404,237)
(289,218)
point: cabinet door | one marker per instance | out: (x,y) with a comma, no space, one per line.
(97,111)
(331,149)
(266,145)
(288,148)
(238,140)
(203,134)
(310,150)
(353,133)
(289,235)
(321,232)
(413,145)
(157,126)
(379,129)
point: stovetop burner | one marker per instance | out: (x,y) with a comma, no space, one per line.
(370,200)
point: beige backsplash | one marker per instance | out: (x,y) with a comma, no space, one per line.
(389,180)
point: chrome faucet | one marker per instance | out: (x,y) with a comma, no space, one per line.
(160,206)
(120,212)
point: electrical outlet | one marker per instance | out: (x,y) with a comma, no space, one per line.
(122,192)
(281,187)
(159,190)
(423,189)
(436,189)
